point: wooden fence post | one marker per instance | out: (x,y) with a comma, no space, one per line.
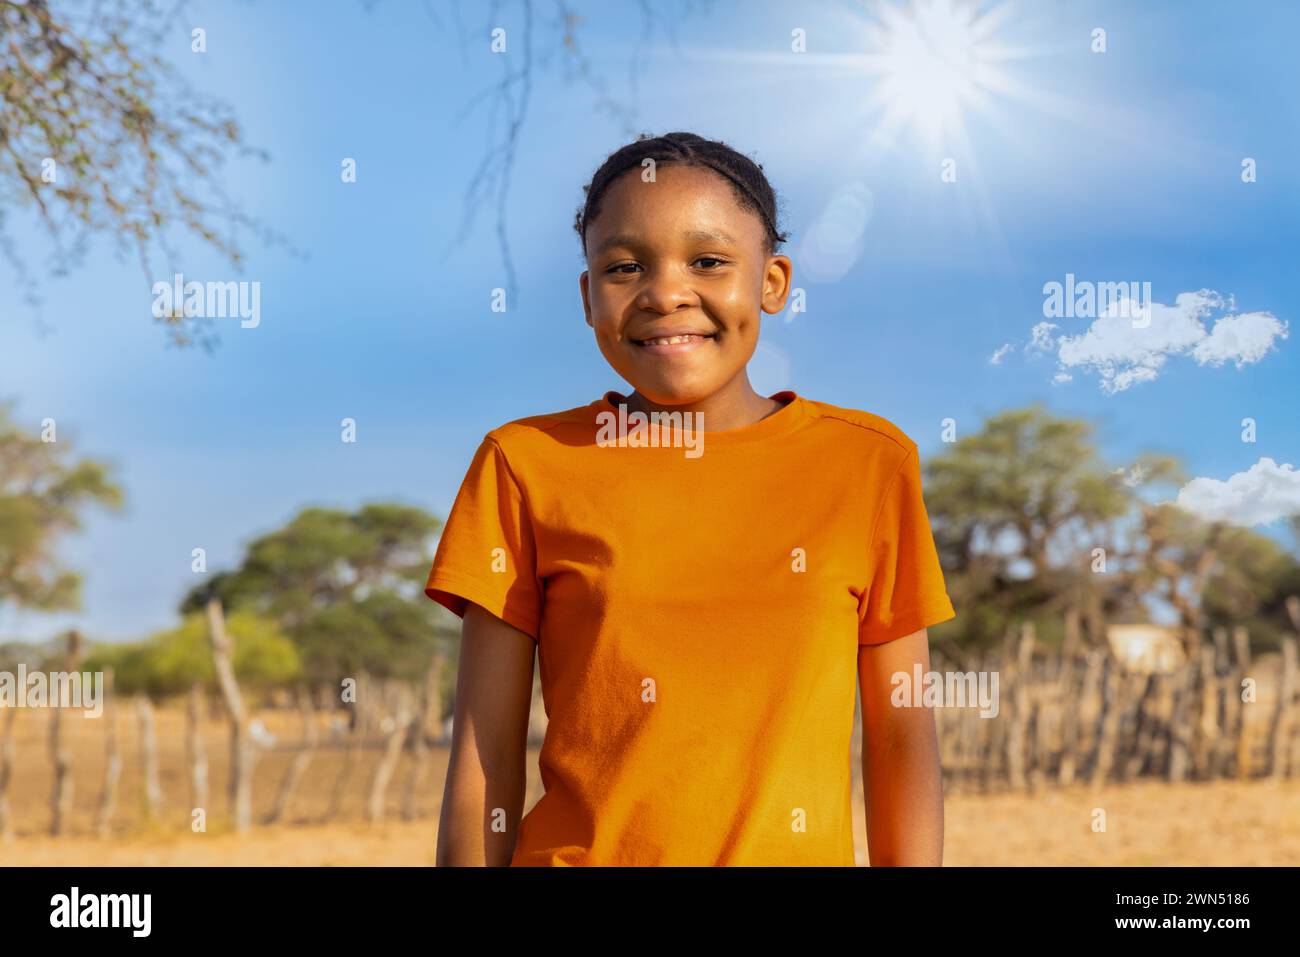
(400,713)
(241,749)
(1020,708)
(1111,711)
(1279,732)
(301,760)
(195,753)
(1181,719)
(430,706)
(356,730)
(61,796)
(6,773)
(1205,744)
(1241,643)
(112,759)
(152,791)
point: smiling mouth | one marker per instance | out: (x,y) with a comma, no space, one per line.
(675,343)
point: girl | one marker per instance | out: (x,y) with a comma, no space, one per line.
(704,572)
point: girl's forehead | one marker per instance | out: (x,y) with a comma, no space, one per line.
(699,203)
(686,181)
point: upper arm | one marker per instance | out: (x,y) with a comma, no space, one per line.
(494,689)
(878,666)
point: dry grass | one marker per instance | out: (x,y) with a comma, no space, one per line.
(1147,823)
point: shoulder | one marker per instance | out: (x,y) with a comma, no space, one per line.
(861,425)
(538,431)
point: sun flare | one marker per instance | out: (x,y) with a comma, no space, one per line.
(933,62)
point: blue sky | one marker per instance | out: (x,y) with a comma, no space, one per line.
(1115,166)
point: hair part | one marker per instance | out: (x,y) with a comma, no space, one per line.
(748,182)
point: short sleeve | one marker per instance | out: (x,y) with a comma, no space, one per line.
(487,554)
(905,590)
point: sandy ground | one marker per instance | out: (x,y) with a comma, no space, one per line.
(1149,823)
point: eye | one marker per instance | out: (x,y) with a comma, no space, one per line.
(711,259)
(620,267)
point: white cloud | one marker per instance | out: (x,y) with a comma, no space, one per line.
(1000,354)
(1261,495)
(1123,354)
(1041,337)
(1240,339)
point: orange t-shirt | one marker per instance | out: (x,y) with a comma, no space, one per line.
(698,611)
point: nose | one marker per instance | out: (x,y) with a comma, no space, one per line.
(665,290)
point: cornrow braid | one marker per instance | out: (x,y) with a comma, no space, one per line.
(747,179)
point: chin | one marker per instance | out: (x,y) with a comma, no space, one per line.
(676,393)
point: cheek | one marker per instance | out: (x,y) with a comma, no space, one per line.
(746,329)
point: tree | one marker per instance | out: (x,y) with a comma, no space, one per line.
(42,490)
(1030,523)
(172,661)
(528,52)
(1016,507)
(134,152)
(100,136)
(346,587)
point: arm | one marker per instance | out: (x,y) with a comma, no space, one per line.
(487,769)
(901,779)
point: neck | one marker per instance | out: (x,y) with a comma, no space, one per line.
(733,406)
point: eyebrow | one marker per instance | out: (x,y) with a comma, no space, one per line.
(695,235)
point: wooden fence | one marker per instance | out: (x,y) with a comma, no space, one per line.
(1083,715)
(1077,715)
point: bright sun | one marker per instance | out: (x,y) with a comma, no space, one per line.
(935,60)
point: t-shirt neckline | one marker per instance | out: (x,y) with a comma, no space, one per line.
(784,420)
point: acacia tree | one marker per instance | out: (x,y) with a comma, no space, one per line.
(1014,506)
(173,661)
(100,136)
(42,491)
(1030,522)
(347,588)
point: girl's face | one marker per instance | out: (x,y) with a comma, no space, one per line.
(676,276)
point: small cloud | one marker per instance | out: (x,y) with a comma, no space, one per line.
(1240,339)
(1261,495)
(1000,354)
(1041,338)
(1123,355)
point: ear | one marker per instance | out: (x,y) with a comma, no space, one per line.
(776,284)
(584,288)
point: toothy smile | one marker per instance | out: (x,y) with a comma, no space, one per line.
(673,340)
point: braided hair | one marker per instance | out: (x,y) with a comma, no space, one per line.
(748,182)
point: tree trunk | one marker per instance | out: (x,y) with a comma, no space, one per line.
(61,797)
(112,760)
(241,747)
(148,757)
(195,753)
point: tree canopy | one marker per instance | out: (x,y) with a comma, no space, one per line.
(42,491)
(1030,522)
(347,587)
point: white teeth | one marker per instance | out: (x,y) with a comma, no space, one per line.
(669,340)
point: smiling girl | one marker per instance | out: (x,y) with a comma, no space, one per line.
(701,622)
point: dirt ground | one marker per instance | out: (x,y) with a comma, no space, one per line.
(1147,823)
